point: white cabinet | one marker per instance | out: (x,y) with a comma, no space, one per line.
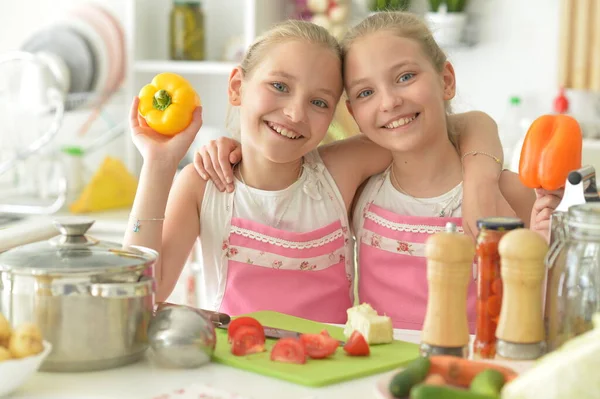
(147,31)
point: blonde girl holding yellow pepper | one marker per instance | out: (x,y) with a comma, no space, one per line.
(281,240)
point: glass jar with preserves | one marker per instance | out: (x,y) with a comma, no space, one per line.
(187,30)
(489,282)
(574,278)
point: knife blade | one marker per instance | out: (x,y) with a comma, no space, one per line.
(278,333)
(222,320)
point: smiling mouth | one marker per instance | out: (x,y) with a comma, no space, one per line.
(401,122)
(282,131)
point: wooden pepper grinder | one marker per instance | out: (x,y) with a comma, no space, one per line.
(520,330)
(449,268)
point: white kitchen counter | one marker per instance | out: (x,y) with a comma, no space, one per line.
(144,380)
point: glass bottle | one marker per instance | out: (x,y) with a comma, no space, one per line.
(575,287)
(187,31)
(489,282)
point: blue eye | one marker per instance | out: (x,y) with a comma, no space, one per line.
(365,93)
(320,103)
(405,77)
(279,86)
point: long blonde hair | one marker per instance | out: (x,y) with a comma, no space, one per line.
(405,25)
(288,30)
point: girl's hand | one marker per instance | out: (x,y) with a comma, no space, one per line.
(546,202)
(215,161)
(155,147)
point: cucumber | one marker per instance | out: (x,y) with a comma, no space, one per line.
(445,392)
(413,374)
(489,382)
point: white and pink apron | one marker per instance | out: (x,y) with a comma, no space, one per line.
(392,268)
(306,274)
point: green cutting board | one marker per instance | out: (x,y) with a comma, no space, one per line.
(316,373)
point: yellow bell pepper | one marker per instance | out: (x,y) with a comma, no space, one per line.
(167,103)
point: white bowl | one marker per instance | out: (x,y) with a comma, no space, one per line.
(15,372)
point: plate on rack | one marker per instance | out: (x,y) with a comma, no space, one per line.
(98,45)
(72,48)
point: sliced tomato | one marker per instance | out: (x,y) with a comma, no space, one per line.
(319,346)
(325,333)
(247,340)
(289,350)
(243,321)
(357,345)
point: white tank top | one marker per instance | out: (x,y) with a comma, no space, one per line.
(301,207)
(391,199)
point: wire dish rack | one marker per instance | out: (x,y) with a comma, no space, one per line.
(17,198)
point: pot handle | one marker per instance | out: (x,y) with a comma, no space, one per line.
(143,287)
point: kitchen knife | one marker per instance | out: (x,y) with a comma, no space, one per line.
(276,333)
(222,320)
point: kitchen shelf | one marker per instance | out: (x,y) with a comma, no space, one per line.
(185,67)
(146,26)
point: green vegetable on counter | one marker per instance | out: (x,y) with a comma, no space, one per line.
(445,392)
(488,382)
(413,374)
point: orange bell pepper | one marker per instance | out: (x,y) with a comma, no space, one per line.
(551,150)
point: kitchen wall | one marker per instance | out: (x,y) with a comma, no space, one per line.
(515,55)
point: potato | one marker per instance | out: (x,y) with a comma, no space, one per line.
(26,340)
(5,330)
(4,354)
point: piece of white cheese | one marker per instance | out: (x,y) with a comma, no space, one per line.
(364,319)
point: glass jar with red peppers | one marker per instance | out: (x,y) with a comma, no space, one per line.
(489,282)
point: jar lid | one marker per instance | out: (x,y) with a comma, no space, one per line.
(74,253)
(500,223)
(585,216)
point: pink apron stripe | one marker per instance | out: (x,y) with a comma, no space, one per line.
(406,236)
(322,295)
(396,285)
(286,235)
(297,253)
(403,219)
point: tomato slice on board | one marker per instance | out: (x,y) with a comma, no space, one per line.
(243,321)
(247,340)
(357,345)
(319,346)
(289,350)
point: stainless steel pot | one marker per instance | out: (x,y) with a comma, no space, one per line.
(93,300)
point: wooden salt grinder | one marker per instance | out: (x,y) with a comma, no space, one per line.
(449,268)
(520,330)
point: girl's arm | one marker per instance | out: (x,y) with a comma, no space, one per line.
(173,237)
(520,197)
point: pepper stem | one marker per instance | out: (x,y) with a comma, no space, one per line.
(161,100)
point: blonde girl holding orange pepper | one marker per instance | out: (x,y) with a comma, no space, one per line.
(281,240)
(399,84)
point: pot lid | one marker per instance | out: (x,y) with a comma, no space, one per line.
(73,252)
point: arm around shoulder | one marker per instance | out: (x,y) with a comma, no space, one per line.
(352,161)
